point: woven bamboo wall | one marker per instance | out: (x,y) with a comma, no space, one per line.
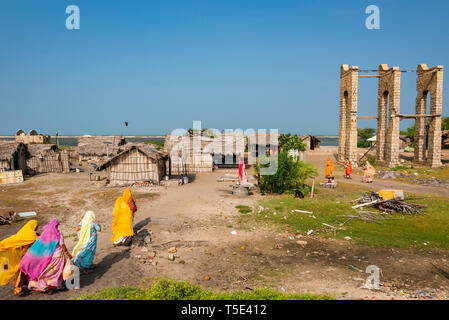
(49,162)
(134,166)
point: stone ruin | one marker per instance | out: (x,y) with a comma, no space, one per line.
(427,142)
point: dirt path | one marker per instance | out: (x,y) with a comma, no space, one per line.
(197,219)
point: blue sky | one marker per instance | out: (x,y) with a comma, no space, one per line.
(231,64)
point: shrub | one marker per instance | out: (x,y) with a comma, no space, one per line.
(289,177)
(289,142)
(163,289)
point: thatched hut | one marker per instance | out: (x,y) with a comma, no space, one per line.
(98,148)
(200,153)
(135,162)
(97,152)
(310,141)
(188,154)
(12,155)
(113,140)
(261,143)
(43,158)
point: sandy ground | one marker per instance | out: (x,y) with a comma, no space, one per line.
(197,219)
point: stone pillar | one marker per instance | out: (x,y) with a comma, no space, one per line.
(387,136)
(382,103)
(343,107)
(348,114)
(436,106)
(420,126)
(429,81)
(392,140)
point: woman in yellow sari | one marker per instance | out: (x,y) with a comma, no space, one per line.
(123,219)
(12,250)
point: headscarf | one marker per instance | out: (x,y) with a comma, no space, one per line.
(370,171)
(348,167)
(129,199)
(122,223)
(128,196)
(84,235)
(329,168)
(37,258)
(11,250)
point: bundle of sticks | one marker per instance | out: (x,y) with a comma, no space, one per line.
(372,199)
(12,217)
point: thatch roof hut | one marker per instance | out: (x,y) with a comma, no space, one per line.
(135,162)
(12,155)
(261,143)
(310,141)
(199,153)
(98,148)
(43,158)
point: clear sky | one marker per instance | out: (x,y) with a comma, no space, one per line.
(230,63)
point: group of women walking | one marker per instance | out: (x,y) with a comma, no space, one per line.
(41,262)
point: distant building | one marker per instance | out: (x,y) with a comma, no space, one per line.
(32,137)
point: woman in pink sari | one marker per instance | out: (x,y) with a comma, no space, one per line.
(44,262)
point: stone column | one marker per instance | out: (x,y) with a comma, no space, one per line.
(351,116)
(392,139)
(420,127)
(436,105)
(428,81)
(382,102)
(343,107)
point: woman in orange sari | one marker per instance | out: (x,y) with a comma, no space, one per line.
(329,169)
(12,250)
(123,219)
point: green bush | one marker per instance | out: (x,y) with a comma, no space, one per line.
(289,142)
(163,289)
(289,177)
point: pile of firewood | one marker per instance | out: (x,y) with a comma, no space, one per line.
(12,217)
(372,199)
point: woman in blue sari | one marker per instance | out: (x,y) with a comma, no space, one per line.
(84,251)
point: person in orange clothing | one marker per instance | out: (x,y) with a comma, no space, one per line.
(368,173)
(123,219)
(348,168)
(329,170)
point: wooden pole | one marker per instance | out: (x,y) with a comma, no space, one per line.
(313,186)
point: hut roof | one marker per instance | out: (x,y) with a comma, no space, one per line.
(148,150)
(37,150)
(7,149)
(97,149)
(115,140)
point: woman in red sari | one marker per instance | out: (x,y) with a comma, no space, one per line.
(348,168)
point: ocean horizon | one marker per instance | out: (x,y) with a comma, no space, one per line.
(72,141)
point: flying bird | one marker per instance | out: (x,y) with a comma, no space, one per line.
(126,123)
